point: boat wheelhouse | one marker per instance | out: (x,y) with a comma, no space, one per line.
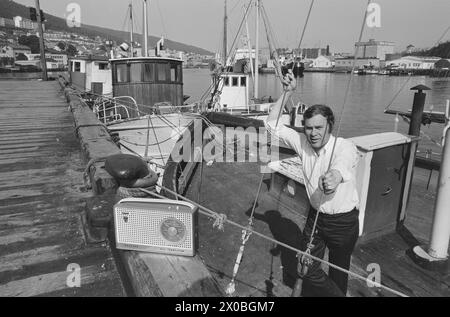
(149,80)
(234,92)
(151,115)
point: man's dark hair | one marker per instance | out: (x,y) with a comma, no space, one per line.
(320,109)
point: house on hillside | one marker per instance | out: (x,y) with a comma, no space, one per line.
(13,50)
(60,58)
(6,22)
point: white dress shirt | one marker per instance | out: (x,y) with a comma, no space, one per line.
(314,165)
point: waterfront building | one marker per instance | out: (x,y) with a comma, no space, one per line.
(413,62)
(347,63)
(374,49)
(313,53)
(322,62)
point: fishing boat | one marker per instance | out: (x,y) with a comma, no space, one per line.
(139,98)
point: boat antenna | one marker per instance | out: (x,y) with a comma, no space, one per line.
(131,29)
(256,92)
(145,33)
(225,26)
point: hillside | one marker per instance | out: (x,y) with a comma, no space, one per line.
(10,9)
(442,50)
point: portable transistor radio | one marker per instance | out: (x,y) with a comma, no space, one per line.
(155,225)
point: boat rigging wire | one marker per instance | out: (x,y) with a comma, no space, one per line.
(306,23)
(165,34)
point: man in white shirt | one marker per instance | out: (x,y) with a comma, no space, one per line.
(328,169)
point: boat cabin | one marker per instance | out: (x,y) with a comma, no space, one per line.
(91,74)
(149,80)
(234,92)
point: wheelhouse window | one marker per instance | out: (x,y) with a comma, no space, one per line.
(162,71)
(234,81)
(175,73)
(243,81)
(77,67)
(149,72)
(122,73)
(103,66)
(135,72)
(226,81)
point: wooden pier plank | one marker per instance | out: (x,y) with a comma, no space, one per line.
(41,204)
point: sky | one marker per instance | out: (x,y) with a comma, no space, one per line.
(333,22)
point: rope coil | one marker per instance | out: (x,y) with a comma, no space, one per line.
(219,221)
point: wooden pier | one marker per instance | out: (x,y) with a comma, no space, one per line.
(42,203)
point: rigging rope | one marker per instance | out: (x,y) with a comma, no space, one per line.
(306,23)
(162,19)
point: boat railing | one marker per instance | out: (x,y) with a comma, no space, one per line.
(111,110)
(133,101)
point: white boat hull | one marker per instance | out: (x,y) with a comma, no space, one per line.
(154,143)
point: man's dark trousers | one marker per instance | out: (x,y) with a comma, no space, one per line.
(338,233)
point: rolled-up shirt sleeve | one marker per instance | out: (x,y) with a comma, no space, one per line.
(345,160)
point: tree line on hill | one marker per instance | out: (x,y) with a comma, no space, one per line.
(442,50)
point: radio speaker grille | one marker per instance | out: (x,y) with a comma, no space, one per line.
(155,225)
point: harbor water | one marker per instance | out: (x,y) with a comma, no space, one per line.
(363,111)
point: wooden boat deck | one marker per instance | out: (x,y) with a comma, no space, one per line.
(41,205)
(268,270)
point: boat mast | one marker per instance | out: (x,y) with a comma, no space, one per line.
(249,46)
(225,48)
(257,50)
(145,33)
(132,30)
